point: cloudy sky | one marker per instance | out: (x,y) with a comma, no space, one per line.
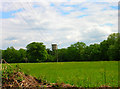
(64,22)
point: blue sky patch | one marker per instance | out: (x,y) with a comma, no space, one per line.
(109,24)
(52,4)
(65,5)
(81,16)
(84,8)
(35,6)
(64,12)
(76,7)
(104,9)
(114,7)
(68,0)
(9,14)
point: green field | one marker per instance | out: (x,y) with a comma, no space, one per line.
(85,74)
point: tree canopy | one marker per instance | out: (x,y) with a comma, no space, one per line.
(36,52)
(107,50)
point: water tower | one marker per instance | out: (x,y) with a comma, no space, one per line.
(54,47)
(55,51)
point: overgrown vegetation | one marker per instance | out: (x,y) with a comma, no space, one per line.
(12,77)
(107,50)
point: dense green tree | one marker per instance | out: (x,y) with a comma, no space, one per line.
(114,46)
(94,52)
(11,55)
(87,51)
(63,55)
(49,51)
(50,56)
(75,51)
(103,49)
(112,38)
(112,52)
(73,54)
(36,52)
(22,55)
(107,50)
(117,47)
(79,50)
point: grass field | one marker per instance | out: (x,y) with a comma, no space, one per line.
(85,74)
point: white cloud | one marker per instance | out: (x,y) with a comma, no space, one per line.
(46,24)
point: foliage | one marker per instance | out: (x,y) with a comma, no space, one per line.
(92,52)
(36,52)
(13,55)
(107,50)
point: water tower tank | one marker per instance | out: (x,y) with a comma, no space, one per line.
(54,47)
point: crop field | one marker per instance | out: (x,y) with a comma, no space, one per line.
(84,74)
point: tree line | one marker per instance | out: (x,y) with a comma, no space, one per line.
(107,50)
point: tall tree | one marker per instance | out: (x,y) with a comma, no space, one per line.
(76,51)
(36,52)
(112,38)
(114,48)
(79,46)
